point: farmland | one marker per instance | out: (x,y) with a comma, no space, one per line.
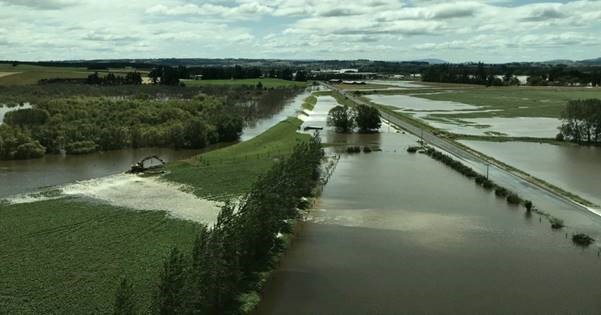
(30,74)
(266,82)
(68,255)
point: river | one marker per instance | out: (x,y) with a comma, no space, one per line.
(399,233)
(25,176)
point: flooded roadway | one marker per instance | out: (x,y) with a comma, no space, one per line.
(399,233)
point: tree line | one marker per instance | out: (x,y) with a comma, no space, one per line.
(581,121)
(166,75)
(345,118)
(79,126)
(485,74)
(134,78)
(228,259)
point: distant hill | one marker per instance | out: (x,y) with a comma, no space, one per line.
(586,62)
(432,61)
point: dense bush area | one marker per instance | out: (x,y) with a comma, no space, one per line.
(229,257)
(86,125)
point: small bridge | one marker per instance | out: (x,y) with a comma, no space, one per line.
(148,163)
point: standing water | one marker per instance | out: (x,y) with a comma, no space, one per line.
(399,233)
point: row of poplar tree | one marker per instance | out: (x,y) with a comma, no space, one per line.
(228,257)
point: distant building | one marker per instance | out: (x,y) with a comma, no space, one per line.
(197,77)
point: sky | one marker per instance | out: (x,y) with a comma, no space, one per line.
(395,30)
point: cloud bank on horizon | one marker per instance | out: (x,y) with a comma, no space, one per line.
(491,31)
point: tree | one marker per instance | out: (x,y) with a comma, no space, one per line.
(368,118)
(125,303)
(170,296)
(342,118)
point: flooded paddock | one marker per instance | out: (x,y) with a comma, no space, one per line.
(574,168)
(446,115)
(399,233)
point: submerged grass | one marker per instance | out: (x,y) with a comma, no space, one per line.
(513,101)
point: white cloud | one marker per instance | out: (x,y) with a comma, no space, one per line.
(387,29)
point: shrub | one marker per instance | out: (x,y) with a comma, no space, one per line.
(582,239)
(366,149)
(488,184)
(480,179)
(413,149)
(353,149)
(528,204)
(556,223)
(501,192)
(514,199)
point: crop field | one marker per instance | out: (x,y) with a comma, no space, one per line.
(67,256)
(514,101)
(267,82)
(224,173)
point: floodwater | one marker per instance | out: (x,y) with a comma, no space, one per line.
(397,83)
(576,169)
(539,127)
(18,177)
(396,233)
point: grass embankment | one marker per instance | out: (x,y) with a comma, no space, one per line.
(67,256)
(30,74)
(266,82)
(220,174)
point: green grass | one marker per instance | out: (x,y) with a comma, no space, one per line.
(231,171)
(267,83)
(67,256)
(514,101)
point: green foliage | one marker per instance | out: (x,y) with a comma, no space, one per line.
(226,258)
(18,144)
(514,199)
(582,121)
(342,118)
(27,116)
(86,125)
(170,295)
(231,171)
(367,118)
(80,251)
(268,83)
(125,303)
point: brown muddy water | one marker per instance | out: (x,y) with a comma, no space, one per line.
(399,233)
(18,177)
(574,168)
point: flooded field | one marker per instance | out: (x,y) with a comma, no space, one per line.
(574,168)
(396,233)
(446,115)
(397,83)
